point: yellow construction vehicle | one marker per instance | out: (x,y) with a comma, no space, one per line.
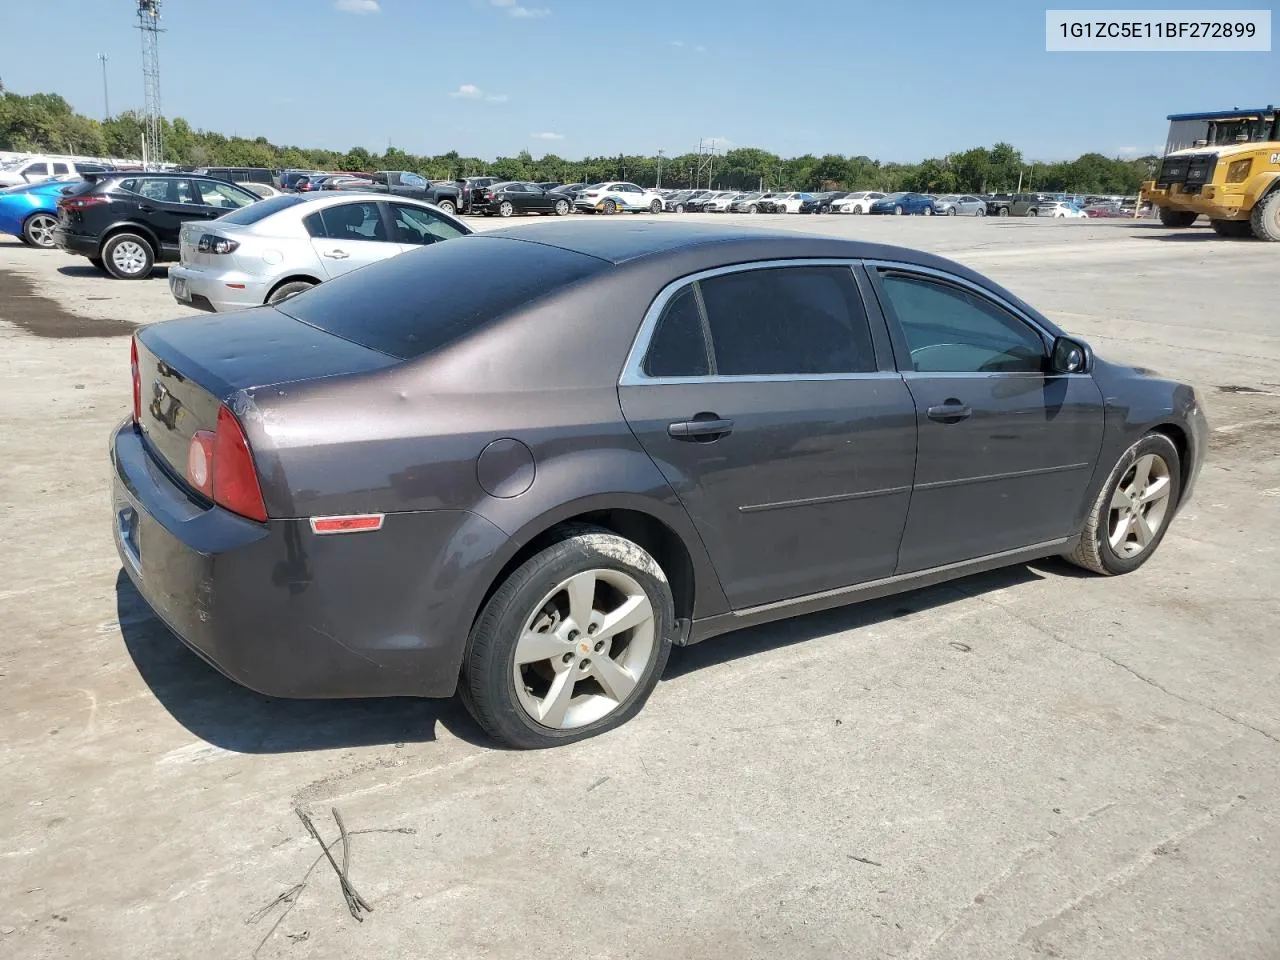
(1225,165)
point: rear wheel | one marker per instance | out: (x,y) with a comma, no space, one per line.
(505,209)
(1265,219)
(1033,212)
(128,257)
(1177,218)
(1004,211)
(679,208)
(38,230)
(571,644)
(897,211)
(1133,510)
(655,207)
(980,212)
(609,206)
(448,206)
(928,211)
(951,211)
(1234,229)
(287,290)
(562,208)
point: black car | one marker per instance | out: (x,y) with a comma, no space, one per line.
(550,185)
(237,174)
(405,482)
(821,202)
(470,186)
(680,201)
(569,188)
(517,196)
(125,223)
(404,183)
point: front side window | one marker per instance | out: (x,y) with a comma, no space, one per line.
(36,170)
(412,180)
(414,225)
(214,193)
(773,321)
(162,189)
(950,329)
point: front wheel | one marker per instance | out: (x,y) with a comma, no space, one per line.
(571,644)
(1031,212)
(1235,229)
(980,212)
(562,208)
(1004,211)
(448,206)
(655,207)
(679,208)
(928,211)
(897,211)
(951,211)
(128,257)
(1133,510)
(1265,219)
(1177,218)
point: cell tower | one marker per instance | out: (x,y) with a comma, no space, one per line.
(149,25)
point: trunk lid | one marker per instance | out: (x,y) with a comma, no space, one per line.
(187,368)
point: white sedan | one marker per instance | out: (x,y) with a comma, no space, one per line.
(856,202)
(614,196)
(790,202)
(1062,210)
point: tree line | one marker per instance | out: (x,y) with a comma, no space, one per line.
(46,123)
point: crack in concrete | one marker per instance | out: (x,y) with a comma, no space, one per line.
(1040,628)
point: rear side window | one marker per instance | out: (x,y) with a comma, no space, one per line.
(410,305)
(262,209)
(787,320)
(678,347)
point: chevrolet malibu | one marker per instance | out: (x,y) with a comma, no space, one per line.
(526,490)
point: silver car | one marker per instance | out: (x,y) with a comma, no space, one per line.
(964,205)
(276,248)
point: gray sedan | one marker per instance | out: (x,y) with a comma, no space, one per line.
(455,471)
(963,205)
(276,248)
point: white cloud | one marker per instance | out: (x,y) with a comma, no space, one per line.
(677,43)
(514,9)
(720,143)
(700,48)
(1128,149)
(469,91)
(547,136)
(357,6)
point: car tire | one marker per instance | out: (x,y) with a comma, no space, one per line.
(128,256)
(287,290)
(98,264)
(37,231)
(609,206)
(897,211)
(679,208)
(927,211)
(1003,212)
(447,206)
(563,697)
(1265,219)
(981,212)
(506,209)
(856,209)
(655,207)
(1032,212)
(1112,540)
(951,211)
(562,208)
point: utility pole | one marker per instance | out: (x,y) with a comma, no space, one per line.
(106,100)
(659,186)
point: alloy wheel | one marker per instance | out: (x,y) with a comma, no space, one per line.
(1139,506)
(40,230)
(584,649)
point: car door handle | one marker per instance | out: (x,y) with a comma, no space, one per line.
(336,254)
(146,208)
(953,411)
(710,429)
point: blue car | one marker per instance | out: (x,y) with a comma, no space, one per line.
(30,211)
(903,203)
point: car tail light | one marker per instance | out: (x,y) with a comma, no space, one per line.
(137,380)
(220,466)
(212,243)
(81,203)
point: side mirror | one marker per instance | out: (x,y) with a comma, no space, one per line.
(1070,356)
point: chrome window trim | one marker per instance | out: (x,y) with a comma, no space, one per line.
(633,374)
(959,281)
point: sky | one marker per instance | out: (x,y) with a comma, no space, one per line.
(901,82)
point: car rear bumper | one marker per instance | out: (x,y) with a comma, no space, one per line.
(213,291)
(288,613)
(78,243)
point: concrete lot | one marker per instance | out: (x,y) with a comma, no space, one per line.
(1031,763)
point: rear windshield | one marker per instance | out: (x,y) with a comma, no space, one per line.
(262,209)
(409,305)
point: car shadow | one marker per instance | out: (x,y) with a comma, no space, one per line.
(235,718)
(159,272)
(1198,236)
(783,633)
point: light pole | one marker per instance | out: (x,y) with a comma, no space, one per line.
(106,100)
(659,185)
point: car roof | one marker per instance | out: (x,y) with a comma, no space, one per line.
(629,241)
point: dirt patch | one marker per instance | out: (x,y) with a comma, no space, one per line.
(23,307)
